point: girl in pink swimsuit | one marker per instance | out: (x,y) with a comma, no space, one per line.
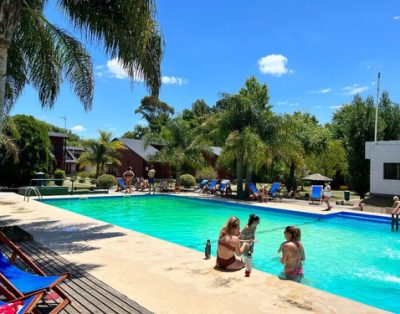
(293,255)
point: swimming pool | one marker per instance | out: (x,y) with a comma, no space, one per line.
(348,257)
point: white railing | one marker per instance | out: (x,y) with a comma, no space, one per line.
(33,189)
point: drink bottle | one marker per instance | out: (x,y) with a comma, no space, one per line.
(248,265)
(207,249)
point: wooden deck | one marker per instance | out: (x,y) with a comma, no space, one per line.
(87,293)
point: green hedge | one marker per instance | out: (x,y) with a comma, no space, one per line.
(59,174)
(106,181)
(187,180)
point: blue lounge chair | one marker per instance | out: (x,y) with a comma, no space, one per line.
(224,187)
(211,187)
(16,283)
(201,185)
(256,192)
(273,191)
(24,305)
(316,193)
(121,184)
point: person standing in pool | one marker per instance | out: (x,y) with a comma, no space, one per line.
(128,177)
(229,245)
(248,233)
(292,255)
(151,175)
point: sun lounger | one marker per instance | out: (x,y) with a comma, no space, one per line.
(257,194)
(17,283)
(121,186)
(273,191)
(22,305)
(164,186)
(211,187)
(224,188)
(316,193)
(201,185)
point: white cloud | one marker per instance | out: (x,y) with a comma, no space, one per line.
(335,107)
(354,89)
(274,64)
(321,91)
(172,80)
(396,17)
(287,103)
(78,128)
(116,70)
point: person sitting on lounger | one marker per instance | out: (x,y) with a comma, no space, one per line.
(292,255)
(229,245)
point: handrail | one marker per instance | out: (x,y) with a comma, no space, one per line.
(32,189)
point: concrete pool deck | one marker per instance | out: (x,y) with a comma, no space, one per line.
(162,276)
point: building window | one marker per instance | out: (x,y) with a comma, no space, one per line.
(391,171)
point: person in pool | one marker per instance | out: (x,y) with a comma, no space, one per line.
(292,255)
(229,245)
(248,233)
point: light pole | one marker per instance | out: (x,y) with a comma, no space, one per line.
(377,107)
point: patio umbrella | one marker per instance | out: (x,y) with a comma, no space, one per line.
(316,177)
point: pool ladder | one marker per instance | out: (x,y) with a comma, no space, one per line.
(395,221)
(34,190)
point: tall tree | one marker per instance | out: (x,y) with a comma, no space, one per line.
(101,151)
(389,114)
(34,153)
(180,146)
(156,112)
(299,135)
(355,123)
(32,50)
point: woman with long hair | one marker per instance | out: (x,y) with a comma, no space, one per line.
(229,245)
(293,254)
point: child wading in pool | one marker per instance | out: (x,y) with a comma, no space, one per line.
(248,233)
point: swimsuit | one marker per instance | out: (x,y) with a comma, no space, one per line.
(224,263)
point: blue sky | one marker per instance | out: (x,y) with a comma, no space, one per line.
(314,55)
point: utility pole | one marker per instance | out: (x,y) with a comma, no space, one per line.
(377,107)
(65,122)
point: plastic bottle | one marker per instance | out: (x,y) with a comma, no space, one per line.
(248,265)
(207,249)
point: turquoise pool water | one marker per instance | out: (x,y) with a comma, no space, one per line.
(356,259)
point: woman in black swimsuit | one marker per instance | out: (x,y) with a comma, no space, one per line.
(229,245)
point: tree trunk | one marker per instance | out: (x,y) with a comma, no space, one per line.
(249,173)
(9,17)
(239,175)
(178,177)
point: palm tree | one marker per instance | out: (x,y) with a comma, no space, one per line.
(34,51)
(101,151)
(180,146)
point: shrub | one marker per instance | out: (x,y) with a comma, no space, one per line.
(83,174)
(93,181)
(187,180)
(206,173)
(92,174)
(82,180)
(59,174)
(106,181)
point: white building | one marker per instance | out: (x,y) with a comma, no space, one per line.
(385,167)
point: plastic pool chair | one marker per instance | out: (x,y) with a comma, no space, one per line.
(201,185)
(211,187)
(224,187)
(21,305)
(316,193)
(16,283)
(257,193)
(273,191)
(121,184)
